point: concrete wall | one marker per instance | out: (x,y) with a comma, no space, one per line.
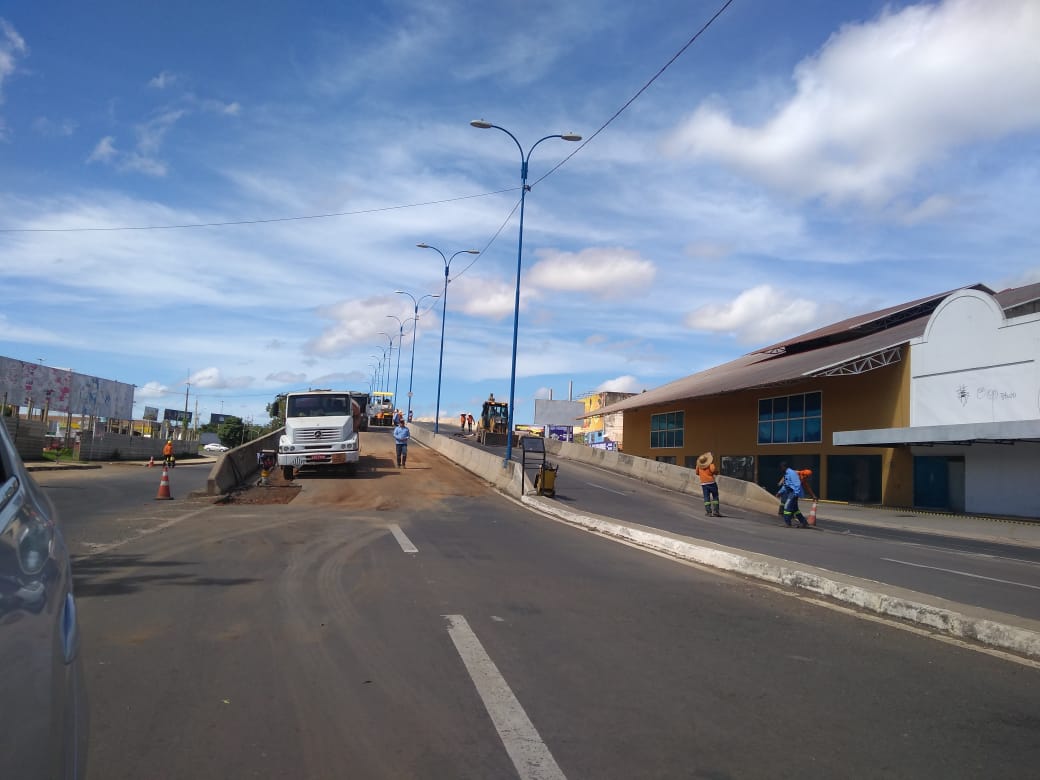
(732,492)
(506,477)
(238,466)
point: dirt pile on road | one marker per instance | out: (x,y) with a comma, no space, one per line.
(378,484)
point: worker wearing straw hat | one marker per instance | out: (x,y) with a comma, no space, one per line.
(706,472)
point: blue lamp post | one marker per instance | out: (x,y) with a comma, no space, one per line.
(400,342)
(480,123)
(415,321)
(389,357)
(444,316)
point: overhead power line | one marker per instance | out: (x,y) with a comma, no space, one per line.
(636,96)
(253,221)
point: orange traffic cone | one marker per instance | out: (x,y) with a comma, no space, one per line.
(164,485)
(811,519)
(151,461)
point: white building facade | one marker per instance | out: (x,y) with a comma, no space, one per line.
(974,408)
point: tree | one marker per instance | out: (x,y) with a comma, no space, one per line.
(232,432)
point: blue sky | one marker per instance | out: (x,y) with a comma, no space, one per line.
(797,164)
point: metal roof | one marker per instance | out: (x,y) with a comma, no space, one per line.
(850,346)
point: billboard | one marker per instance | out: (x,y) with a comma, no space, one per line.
(219,419)
(176,415)
(151,413)
(62,390)
(560,432)
(548,412)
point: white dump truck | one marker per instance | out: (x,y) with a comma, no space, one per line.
(321,429)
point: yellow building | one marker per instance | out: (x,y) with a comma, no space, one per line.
(786,403)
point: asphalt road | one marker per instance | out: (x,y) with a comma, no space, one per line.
(1000,577)
(455,634)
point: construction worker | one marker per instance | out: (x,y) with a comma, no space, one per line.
(167,452)
(706,472)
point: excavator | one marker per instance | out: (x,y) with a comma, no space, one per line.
(493,425)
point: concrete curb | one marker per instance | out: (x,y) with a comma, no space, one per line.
(992,629)
(62,467)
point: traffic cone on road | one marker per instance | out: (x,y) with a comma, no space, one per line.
(811,520)
(151,461)
(164,485)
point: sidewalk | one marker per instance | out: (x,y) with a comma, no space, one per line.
(69,465)
(1018,531)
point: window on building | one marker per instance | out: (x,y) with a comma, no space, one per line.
(666,430)
(790,419)
(665,459)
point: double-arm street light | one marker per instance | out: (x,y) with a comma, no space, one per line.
(415,321)
(400,343)
(444,316)
(389,356)
(379,369)
(480,123)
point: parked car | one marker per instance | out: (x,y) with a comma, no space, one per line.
(45,716)
(215,447)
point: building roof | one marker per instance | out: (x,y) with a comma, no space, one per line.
(851,346)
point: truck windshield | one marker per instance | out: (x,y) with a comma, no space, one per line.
(318,405)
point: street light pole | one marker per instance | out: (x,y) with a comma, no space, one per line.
(389,357)
(415,321)
(444,316)
(524,158)
(400,343)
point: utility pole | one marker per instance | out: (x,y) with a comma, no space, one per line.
(184,421)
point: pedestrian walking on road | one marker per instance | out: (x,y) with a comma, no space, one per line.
(462,422)
(707,472)
(469,422)
(791,491)
(401,437)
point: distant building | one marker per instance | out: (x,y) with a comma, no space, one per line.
(607,428)
(934,403)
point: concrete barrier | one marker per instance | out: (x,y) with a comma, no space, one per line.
(508,478)
(238,466)
(732,492)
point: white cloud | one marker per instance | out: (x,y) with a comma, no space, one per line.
(882,100)
(12,48)
(763,313)
(104,151)
(357,321)
(54,128)
(603,272)
(163,80)
(213,379)
(286,377)
(150,390)
(621,384)
(487,298)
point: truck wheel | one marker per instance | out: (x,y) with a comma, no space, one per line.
(287,473)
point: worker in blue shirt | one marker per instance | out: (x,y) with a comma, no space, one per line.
(792,491)
(401,437)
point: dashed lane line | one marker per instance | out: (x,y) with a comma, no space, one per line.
(529,754)
(404,541)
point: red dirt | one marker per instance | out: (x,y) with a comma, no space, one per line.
(378,483)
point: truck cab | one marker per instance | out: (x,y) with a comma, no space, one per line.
(321,430)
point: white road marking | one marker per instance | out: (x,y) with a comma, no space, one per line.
(593,484)
(529,754)
(963,573)
(404,541)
